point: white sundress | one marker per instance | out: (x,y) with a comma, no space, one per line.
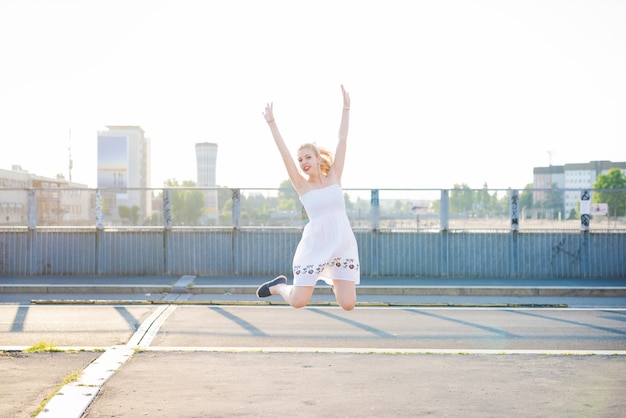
(328,248)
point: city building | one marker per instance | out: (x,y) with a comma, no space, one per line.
(544,178)
(58,202)
(206,163)
(571,177)
(124,164)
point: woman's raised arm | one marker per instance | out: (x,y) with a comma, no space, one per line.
(290,165)
(340,153)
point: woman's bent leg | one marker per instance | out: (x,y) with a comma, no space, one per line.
(345,292)
(296,296)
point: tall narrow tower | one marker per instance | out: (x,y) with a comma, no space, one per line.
(206,161)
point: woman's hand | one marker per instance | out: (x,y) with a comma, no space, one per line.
(269,113)
(346,98)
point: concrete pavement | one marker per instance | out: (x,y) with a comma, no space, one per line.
(139,379)
(266,384)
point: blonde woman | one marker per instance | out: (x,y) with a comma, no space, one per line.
(327,250)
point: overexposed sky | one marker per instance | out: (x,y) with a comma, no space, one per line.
(443,92)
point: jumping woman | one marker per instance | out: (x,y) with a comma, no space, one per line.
(327,250)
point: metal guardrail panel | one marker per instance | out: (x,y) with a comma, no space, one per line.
(130,252)
(14,252)
(199,251)
(269,251)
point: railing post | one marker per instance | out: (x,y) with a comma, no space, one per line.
(585,218)
(236,260)
(444,226)
(514,210)
(236,208)
(514,227)
(375,210)
(32,209)
(99,231)
(585,210)
(444,211)
(167,225)
(99,212)
(32,231)
(375,231)
(167,209)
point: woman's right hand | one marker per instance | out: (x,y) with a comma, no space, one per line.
(269,113)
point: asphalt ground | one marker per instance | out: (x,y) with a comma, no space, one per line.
(140,374)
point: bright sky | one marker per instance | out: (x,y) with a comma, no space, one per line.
(443,92)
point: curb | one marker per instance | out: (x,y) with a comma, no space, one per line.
(312,304)
(361,290)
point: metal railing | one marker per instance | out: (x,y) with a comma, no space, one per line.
(427,233)
(386,209)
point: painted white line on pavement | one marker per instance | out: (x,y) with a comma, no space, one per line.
(70,401)
(147,331)
(348,350)
(73,399)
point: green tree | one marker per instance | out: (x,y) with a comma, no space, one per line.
(503,204)
(288,198)
(187,203)
(554,200)
(132,214)
(154,220)
(526,197)
(225,198)
(482,200)
(348,202)
(255,208)
(609,185)
(461,199)
(486,203)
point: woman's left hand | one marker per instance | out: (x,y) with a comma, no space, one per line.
(346,98)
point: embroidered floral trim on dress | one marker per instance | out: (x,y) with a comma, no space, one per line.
(346,263)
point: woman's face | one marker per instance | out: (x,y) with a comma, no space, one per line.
(309,162)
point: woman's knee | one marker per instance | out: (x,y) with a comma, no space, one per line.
(297,303)
(347,305)
(345,293)
(300,296)
(346,301)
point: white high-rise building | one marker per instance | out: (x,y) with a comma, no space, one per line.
(124,164)
(206,163)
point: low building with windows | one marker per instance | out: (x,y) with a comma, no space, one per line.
(571,177)
(58,201)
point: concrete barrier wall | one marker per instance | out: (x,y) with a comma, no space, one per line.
(268,252)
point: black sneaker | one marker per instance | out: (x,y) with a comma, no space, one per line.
(264,290)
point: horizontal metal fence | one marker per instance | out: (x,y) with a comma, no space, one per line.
(411,233)
(269,251)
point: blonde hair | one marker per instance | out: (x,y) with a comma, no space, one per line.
(327,157)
